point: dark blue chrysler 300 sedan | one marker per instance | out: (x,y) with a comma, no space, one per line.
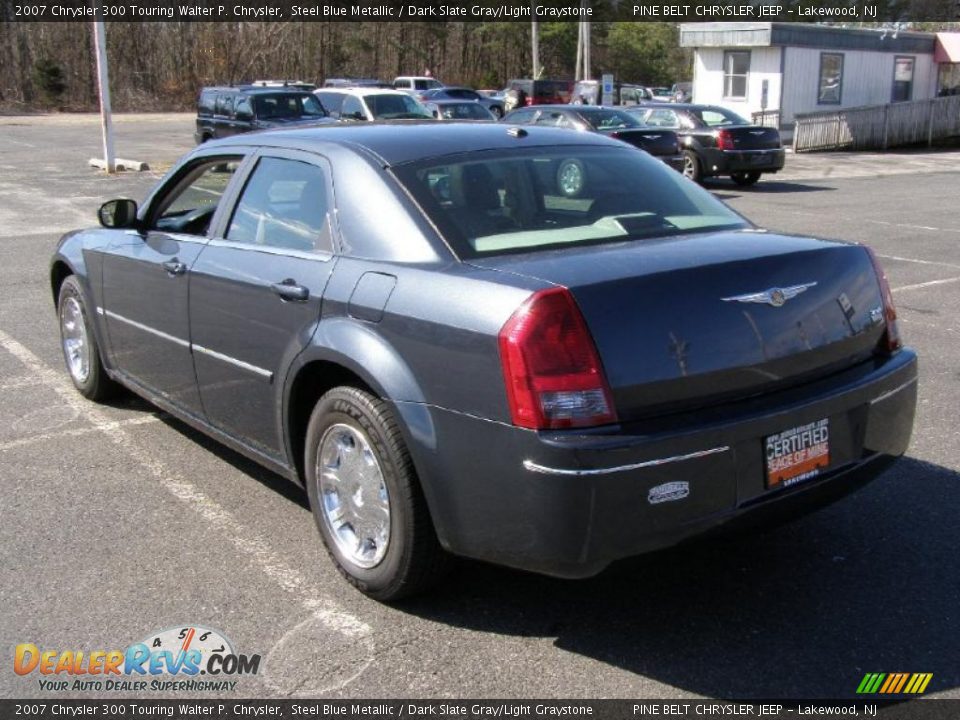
(539,348)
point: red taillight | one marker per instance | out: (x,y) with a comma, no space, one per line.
(725,140)
(550,366)
(890,342)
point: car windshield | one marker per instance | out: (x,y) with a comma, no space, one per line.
(395,107)
(604,119)
(501,202)
(287,106)
(716,116)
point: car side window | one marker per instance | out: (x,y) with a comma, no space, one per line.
(553,119)
(244,109)
(332,102)
(190,205)
(285,204)
(711,118)
(352,109)
(662,118)
(224,105)
(522,117)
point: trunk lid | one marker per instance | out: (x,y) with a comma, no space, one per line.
(753,137)
(687,322)
(657,142)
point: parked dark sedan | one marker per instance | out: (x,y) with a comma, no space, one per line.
(526,345)
(613,122)
(458,110)
(494,105)
(717,141)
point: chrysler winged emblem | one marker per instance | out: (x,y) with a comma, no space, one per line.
(774,296)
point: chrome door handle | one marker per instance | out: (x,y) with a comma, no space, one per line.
(175,267)
(290,290)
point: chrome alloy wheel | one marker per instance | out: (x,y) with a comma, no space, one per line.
(353,495)
(76,343)
(689,166)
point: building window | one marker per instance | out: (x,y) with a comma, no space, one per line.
(736,69)
(831,78)
(902,79)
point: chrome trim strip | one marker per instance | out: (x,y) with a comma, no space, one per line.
(145,328)
(315,255)
(233,361)
(534,467)
(890,393)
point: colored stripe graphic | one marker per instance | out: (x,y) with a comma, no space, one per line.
(894,683)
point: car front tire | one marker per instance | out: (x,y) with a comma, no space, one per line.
(79,344)
(744,179)
(366,498)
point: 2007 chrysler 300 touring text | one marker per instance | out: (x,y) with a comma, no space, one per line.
(539,348)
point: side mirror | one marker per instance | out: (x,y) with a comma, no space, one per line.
(244,115)
(118,214)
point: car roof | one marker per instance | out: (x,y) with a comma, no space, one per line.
(257,89)
(362,91)
(398,142)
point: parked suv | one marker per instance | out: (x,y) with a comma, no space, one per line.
(416,83)
(523,91)
(225,111)
(366,103)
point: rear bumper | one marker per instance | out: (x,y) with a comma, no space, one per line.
(569,504)
(674,161)
(724,162)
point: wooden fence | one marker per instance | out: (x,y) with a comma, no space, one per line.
(874,127)
(767,118)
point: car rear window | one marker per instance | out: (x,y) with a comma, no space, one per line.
(288,106)
(494,203)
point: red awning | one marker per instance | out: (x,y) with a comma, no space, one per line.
(948,48)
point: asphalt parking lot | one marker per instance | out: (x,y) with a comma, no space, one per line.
(117,521)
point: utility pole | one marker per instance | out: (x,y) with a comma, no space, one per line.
(103,80)
(587,73)
(535,40)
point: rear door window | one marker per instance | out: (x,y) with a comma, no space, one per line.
(285,204)
(224,105)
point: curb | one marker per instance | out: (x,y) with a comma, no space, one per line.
(121,165)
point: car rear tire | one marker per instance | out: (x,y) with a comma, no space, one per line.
(745,179)
(497,111)
(366,498)
(691,166)
(79,344)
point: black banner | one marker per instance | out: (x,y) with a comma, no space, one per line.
(107,709)
(480,10)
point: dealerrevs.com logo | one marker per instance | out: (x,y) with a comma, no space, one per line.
(187,658)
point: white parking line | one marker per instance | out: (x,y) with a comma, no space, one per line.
(76,432)
(912,227)
(20,382)
(247,542)
(918,262)
(931,283)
